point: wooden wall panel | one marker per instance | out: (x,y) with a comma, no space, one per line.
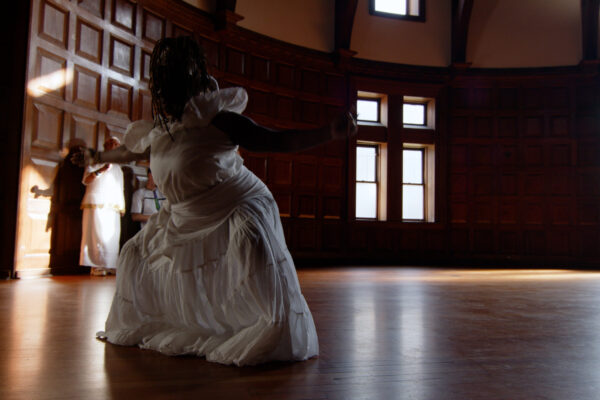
(88,41)
(261,69)
(332,207)
(84,128)
(51,66)
(236,61)
(119,99)
(47,123)
(540,187)
(54,23)
(144,105)
(121,55)
(86,87)
(284,202)
(285,75)
(145,65)
(123,14)
(517,149)
(96,7)
(154,26)
(280,172)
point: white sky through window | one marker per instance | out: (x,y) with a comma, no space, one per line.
(412,166)
(367,110)
(366,182)
(412,202)
(413,114)
(391,6)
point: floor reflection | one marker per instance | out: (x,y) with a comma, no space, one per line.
(385,333)
(26,332)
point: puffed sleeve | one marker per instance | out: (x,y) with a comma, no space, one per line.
(138,136)
(201,109)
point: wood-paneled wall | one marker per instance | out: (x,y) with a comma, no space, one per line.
(517,167)
(523,173)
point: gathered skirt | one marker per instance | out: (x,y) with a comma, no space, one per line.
(230,293)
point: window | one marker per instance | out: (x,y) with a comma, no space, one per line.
(370,181)
(371,108)
(418,182)
(414,114)
(413,188)
(418,112)
(368,110)
(404,9)
(411,152)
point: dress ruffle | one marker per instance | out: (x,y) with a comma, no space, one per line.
(231,296)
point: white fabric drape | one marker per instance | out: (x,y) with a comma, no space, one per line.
(210,273)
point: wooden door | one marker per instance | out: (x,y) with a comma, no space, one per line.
(86,79)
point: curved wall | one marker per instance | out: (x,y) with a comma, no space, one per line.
(502,33)
(404,42)
(516,33)
(308,23)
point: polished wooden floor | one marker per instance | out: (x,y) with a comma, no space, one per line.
(385,333)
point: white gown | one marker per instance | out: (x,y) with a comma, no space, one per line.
(102,206)
(210,273)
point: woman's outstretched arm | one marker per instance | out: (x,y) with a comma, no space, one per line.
(119,155)
(253,137)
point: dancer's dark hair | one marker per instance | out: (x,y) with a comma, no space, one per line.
(178,72)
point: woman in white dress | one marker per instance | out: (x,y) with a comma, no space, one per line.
(103,205)
(210,273)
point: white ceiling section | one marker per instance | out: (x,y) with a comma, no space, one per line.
(502,33)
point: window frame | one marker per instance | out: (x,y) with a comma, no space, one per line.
(376,181)
(407,17)
(423,183)
(425,123)
(373,99)
(380,180)
(428,170)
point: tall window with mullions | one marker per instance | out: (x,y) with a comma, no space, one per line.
(366,181)
(413,184)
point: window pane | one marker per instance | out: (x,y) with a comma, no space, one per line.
(366,200)
(412,202)
(391,6)
(414,114)
(412,166)
(366,161)
(368,110)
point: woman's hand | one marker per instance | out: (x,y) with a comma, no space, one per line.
(83,157)
(344,125)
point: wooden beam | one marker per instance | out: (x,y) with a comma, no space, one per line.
(590,10)
(461,14)
(225,16)
(228,5)
(344,20)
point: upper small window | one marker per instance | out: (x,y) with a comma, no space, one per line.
(418,112)
(414,114)
(405,9)
(371,108)
(367,110)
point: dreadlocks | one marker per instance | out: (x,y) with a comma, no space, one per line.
(177,73)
